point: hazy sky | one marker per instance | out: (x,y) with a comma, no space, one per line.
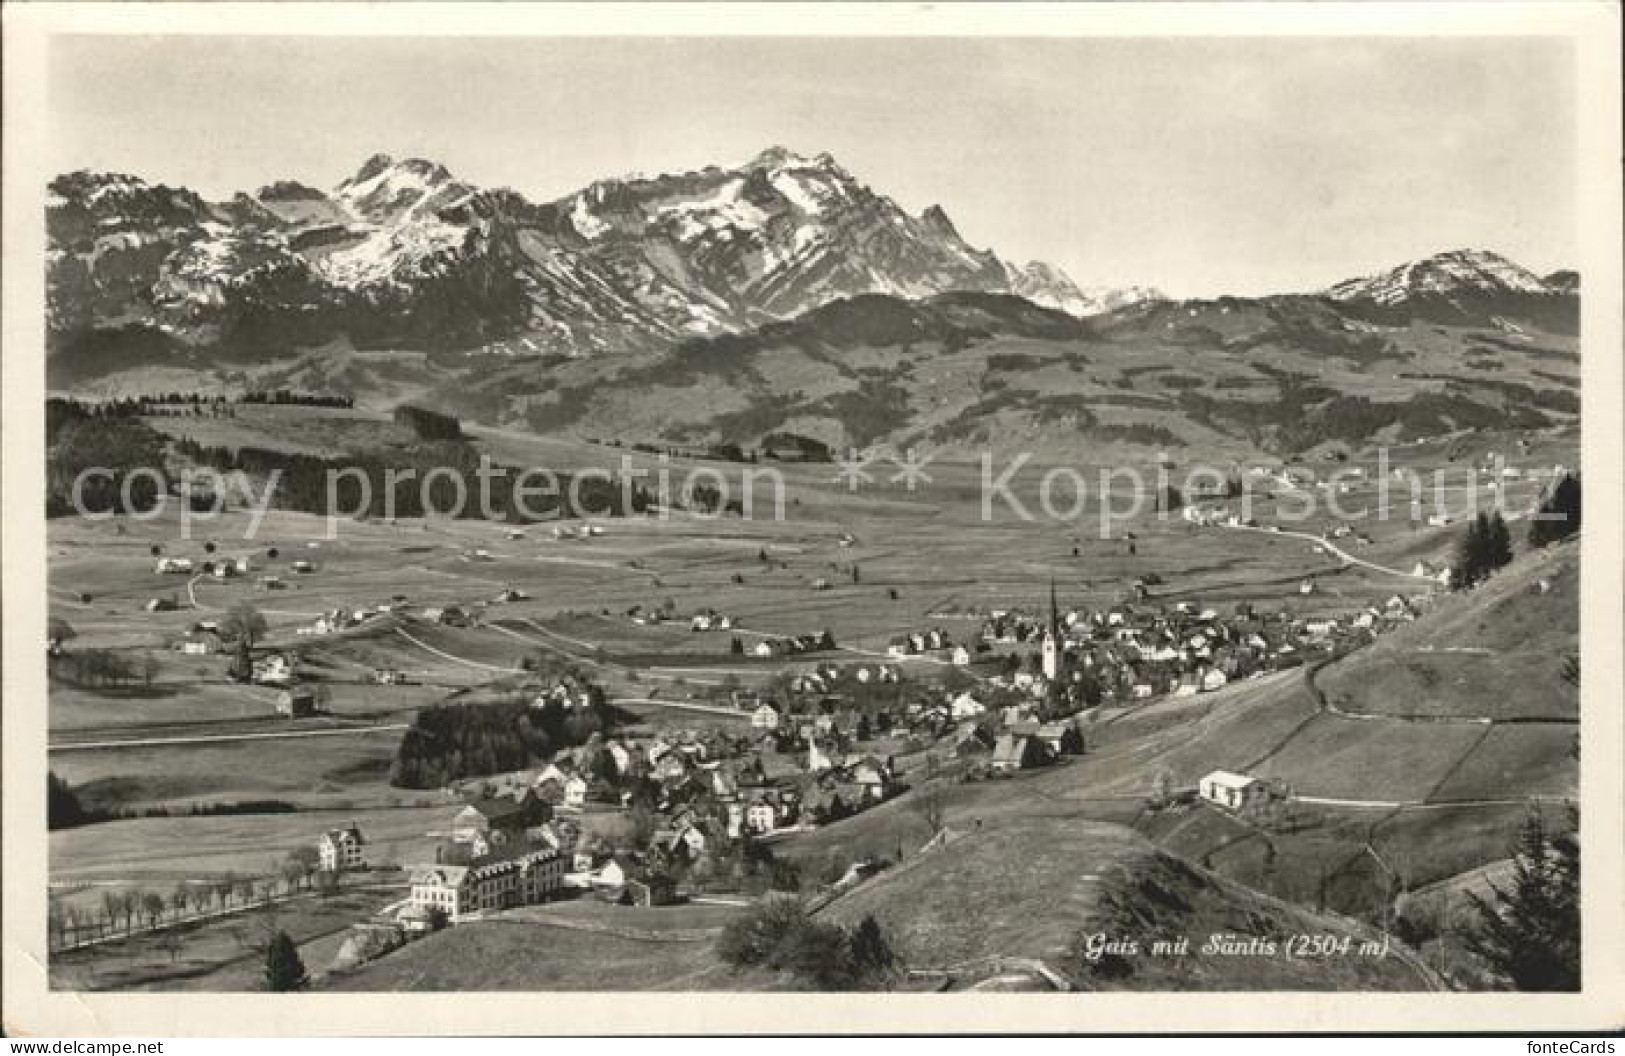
(1200,166)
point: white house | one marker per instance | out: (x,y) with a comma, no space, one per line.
(765,717)
(1231,791)
(273,670)
(761,817)
(1214,679)
(961,656)
(966,706)
(341,849)
(575,791)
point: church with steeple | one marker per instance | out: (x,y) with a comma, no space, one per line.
(1051,645)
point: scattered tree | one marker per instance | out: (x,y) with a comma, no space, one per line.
(931,806)
(243,623)
(872,954)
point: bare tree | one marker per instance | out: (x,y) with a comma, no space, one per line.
(112,906)
(931,806)
(1162,789)
(152,908)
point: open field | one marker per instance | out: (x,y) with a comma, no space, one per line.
(158,852)
(505,955)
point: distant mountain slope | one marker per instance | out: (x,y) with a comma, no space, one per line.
(1048,285)
(1464,285)
(965,372)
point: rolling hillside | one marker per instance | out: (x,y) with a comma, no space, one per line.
(1029,889)
(1497,651)
(963,372)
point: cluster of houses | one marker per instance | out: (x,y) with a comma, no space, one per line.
(793,645)
(341,619)
(703,620)
(1136,652)
(1022,742)
(500,852)
(934,641)
(518,839)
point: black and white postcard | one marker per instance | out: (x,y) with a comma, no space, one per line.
(636,518)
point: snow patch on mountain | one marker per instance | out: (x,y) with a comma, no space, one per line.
(1462,271)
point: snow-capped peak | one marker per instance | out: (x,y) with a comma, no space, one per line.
(1460,271)
(1048,285)
(385,190)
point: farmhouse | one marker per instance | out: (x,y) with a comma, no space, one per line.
(1060,738)
(485,824)
(966,706)
(298,702)
(1232,791)
(341,849)
(199,644)
(273,670)
(1014,752)
(761,817)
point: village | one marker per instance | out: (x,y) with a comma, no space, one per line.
(693,813)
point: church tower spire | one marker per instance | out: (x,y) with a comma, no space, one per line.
(1051,645)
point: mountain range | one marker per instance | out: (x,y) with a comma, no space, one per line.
(404,255)
(781,295)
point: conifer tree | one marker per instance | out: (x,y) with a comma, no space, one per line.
(284,971)
(1559,514)
(1530,932)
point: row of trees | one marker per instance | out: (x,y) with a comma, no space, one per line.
(125,910)
(154,402)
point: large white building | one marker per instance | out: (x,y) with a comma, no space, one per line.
(459,890)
